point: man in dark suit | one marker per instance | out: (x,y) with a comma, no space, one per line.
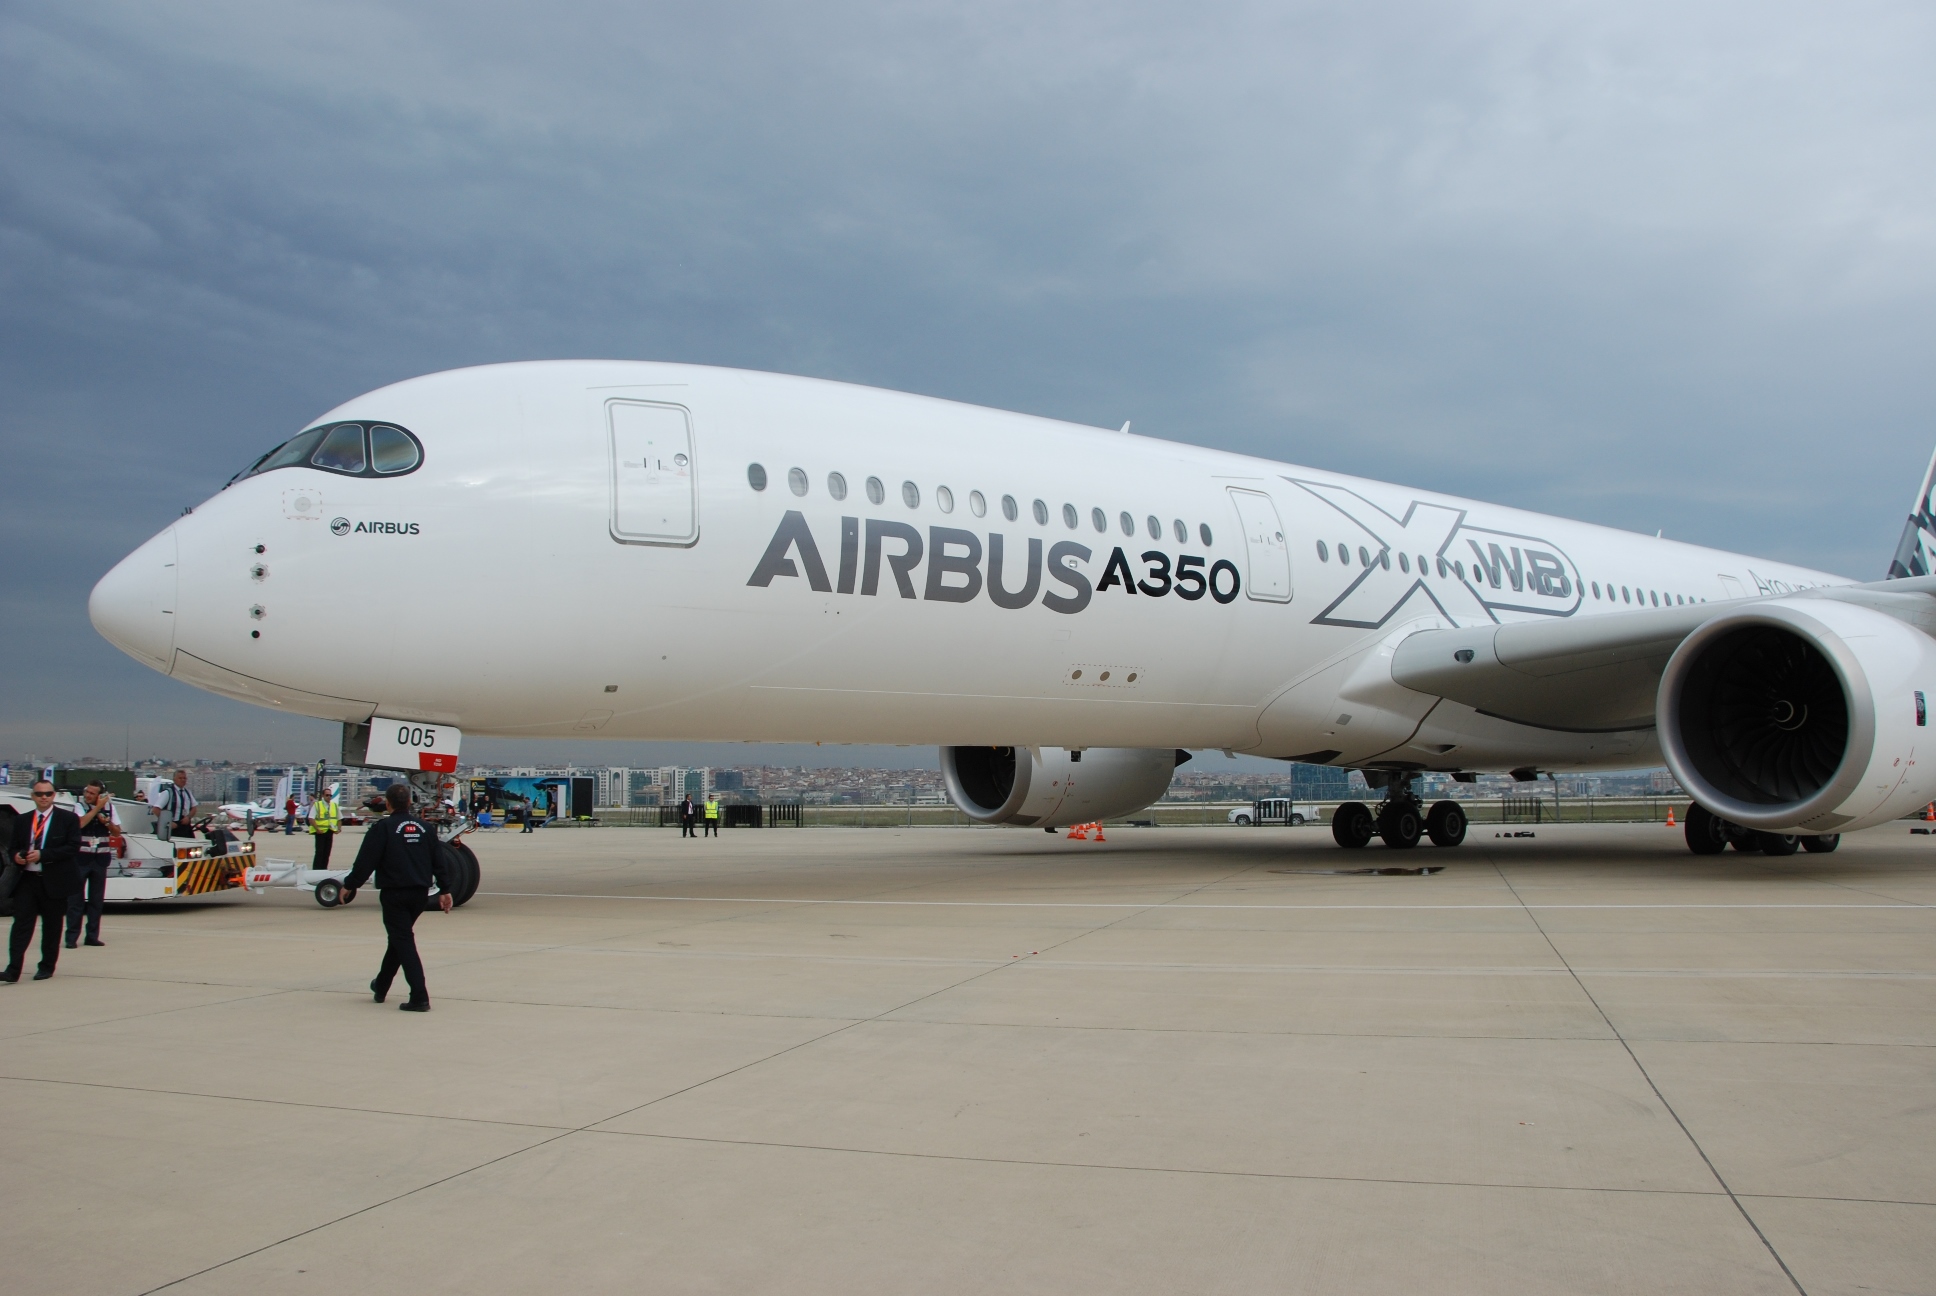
(402,851)
(45,844)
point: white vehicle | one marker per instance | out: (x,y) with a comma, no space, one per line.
(1270,810)
(1063,609)
(146,868)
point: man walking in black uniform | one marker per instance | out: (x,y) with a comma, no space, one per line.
(44,846)
(402,851)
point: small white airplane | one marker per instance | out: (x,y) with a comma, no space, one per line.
(721,555)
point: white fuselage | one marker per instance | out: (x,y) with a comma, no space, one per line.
(536,576)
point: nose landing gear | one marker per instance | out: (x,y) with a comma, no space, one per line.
(1401,819)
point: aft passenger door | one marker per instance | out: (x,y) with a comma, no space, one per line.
(1269,579)
(653,496)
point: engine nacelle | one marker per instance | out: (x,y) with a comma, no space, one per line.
(1802,714)
(1050,787)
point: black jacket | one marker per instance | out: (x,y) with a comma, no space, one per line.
(58,873)
(402,851)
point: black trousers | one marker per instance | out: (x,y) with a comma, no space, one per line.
(401,905)
(323,842)
(31,904)
(685,827)
(712,828)
(88,900)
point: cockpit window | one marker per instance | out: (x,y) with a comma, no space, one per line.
(392,450)
(342,450)
(346,449)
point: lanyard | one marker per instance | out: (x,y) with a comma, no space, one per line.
(41,824)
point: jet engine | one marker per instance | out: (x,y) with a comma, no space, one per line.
(1050,787)
(1801,714)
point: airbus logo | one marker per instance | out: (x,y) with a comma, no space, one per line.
(1434,553)
(342,526)
(960,567)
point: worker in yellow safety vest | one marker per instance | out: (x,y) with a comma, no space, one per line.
(712,816)
(325,821)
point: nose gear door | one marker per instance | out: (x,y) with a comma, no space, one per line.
(654,499)
(1269,553)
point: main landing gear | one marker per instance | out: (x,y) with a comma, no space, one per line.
(1400,820)
(1710,834)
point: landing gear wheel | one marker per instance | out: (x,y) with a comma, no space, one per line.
(1707,834)
(1445,824)
(1400,828)
(474,874)
(329,893)
(460,865)
(1351,825)
(1779,843)
(1821,845)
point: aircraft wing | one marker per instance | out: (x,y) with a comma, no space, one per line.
(1599,673)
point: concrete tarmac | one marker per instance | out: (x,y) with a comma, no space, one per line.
(974,1060)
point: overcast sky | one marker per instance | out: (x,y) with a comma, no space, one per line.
(1660,266)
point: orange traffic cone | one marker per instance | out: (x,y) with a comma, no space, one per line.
(1929,813)
(1670,816)
(1078,832)
(1098,827)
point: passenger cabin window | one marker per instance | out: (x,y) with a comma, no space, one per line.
(977,504)
(797,480)
(1069,516)
(875,491)
(910,494)
(1182,532)
(346,449)
(1155,527)
(944,499)
(1324,552)
(756,476)
(1099,520)
(837,486)
(1129,524)
(1009,510)
(1041,511)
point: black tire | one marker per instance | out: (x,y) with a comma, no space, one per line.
(1400,827)
(474,874)
(1297,821)
(1446,823)
(461,867)
(1706,833)
(329,893)
(1351,825)
(1779,843)
(1822,845)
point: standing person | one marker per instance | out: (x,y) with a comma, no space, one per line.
(686,817)
(325,821)
(712,816)
(289,815)
(401,850)
(174,806)
(44,846)
(100,825)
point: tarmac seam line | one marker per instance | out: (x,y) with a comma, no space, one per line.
(1660,1097)
(1160,1169)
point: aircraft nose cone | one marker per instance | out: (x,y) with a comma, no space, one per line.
(133,606)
